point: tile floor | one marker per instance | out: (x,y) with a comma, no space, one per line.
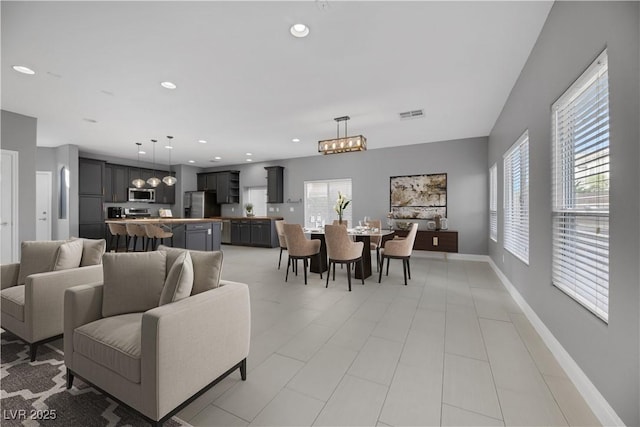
(452,348)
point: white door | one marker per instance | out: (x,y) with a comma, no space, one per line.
(9,207)
(43,205)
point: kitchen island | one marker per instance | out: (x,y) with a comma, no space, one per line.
(202,234)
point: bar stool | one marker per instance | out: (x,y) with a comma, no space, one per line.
(156,232)
(135,231)
(116,231)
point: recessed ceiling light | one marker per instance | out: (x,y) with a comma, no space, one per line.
(192,161)
(202,141)
(249,160)
(168,147)
(299,30)
(24,70)
(217,158)
(248,154)
(168,85)
(143,152)
(295,140)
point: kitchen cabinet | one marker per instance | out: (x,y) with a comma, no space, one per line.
(254,232)
(91,177)
(116,183)
(275,184)
(228,187)
(199,237)
(207,181)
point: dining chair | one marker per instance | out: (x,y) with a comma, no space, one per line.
(376,241)
(299,247)
(134,231)
(342,250)
(116,231)
(399,249)
(281,239)
(155,232)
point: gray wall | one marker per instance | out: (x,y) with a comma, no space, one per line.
(19,134)
(464,161)
(53,159)
(573,36)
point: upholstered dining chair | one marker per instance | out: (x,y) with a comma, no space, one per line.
(342,250)
(376,241)
(116,231)
(399,249)
(299,247)
(155,232)
(134,231)
(281,239)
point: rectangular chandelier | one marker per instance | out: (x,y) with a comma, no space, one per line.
(344,144)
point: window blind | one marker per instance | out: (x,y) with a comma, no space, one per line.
(516,198)
(493,202)
(580,189)
(320,198)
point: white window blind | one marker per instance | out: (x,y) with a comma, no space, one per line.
(516,198)
(320,198)
(493,202)
(580,138)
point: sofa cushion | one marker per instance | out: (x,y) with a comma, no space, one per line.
(207,267)
(179,281)
(37,257)
(132,281)
(69,255)
(13,302)
(92,251)
(113,342)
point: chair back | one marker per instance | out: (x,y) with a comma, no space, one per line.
(295,239)
(280,230)
(117,229)
(152,230)
(136,230)
(339,244)
(345,223)
(402,247)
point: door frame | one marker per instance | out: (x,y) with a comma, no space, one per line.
(14,200)
(49,176)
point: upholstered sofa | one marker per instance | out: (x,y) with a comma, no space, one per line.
(159,329)
(32,292)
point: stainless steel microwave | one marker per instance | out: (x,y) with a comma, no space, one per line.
(142,195)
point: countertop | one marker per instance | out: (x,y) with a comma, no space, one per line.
(227,218)
(160,220)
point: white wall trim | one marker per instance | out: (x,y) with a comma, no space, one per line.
(15,200)
(452,256)
(598,404)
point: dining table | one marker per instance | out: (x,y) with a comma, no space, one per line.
(361,235)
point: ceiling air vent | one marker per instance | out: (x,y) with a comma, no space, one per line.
(414,114)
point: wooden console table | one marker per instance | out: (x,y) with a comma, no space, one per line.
(441,241)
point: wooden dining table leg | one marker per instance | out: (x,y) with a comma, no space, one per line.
(366,257)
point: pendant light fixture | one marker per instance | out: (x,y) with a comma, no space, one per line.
(154,181)
(345,144)
(138,182)
(169,179)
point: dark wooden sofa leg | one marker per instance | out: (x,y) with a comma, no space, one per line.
(33,348)
(243,369)
(69,379)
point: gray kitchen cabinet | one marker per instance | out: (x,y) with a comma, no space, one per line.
(91,177)
(275,184)
(116,183)
(254,232)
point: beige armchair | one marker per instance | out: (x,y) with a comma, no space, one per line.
(157,359)
(341,250)
(33,291)
(399,249)
(299,247)
(282,240)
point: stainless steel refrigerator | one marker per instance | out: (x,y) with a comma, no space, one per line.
(200,204)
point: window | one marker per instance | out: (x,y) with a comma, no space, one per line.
(580,185)
(320,198)
(493,202)
(516,198)
(258,197)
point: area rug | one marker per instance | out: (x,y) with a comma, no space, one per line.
(34,394)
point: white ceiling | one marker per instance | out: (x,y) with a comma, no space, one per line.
(245,84)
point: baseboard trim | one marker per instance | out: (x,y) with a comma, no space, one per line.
(598,404)
(447,255)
